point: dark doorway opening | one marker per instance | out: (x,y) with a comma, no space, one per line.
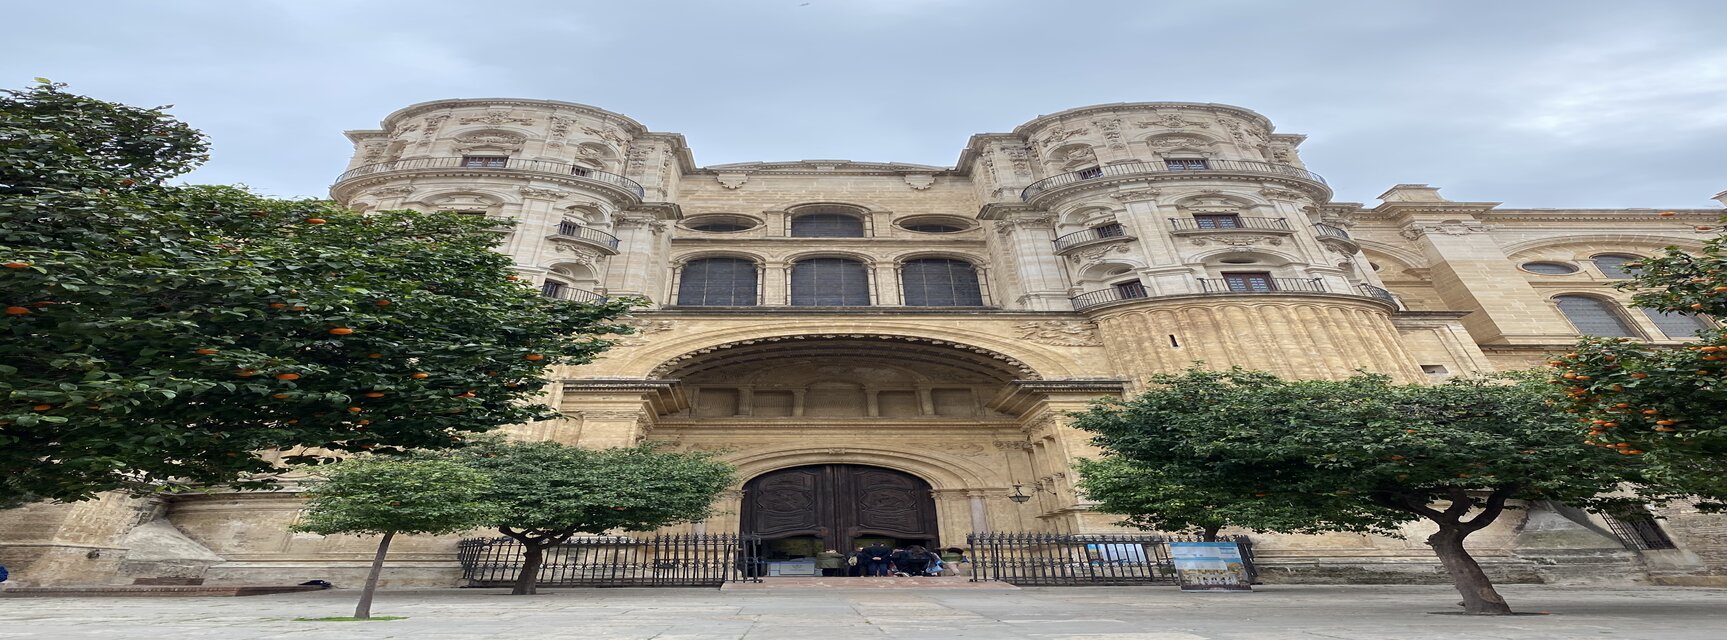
(801,511)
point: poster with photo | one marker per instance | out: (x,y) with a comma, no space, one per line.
(1209,566)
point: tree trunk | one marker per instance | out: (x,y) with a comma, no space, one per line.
(531,558)
(1209,534)
(364,610)
(1479,597)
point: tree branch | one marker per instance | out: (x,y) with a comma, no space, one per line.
(1490,511)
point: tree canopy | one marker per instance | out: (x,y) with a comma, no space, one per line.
(368,495)
(156,335)
(548,492)
(1354,455)
(1667,405)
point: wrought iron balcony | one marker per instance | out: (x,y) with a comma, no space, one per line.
(1221,286)
(489,163)
(1105,232)
(561,291)
(590,235)
(1229,224)
(1329,231)
(1140,168)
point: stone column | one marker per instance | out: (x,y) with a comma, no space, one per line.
(1029,239)
(639,267)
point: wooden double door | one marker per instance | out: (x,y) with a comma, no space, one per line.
(840,503)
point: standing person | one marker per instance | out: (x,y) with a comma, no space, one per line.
(855,563)
(876,560)
(832,563)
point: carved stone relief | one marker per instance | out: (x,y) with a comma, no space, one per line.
(498,117)
(543,194)
(1234,240)
(1137,194)
(1447,228)
(1174,142)
(1021,159)
(608,134)
(919,181)
(733,180)
(1060,333)
(1111,130)
(1079,158)
(431,129)
(1097,254)
(1282,194)
(644,329)
(1006,227)
(1171,121)
(385,192)
(559,131)
(638,158)
(489,140)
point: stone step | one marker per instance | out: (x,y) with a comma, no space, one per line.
(811,582)
(152,591)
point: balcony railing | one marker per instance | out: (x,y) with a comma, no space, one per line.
(1113,230)
(561,291)
(1328,231)
(1263,285)
(590,234)
(496,164)
(1220,286)
(1232,224)
(1137,168)
(1128,291)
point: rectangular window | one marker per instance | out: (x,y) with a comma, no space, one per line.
(1217,221)
(1087,174)
(1249,282)
(579,171)
(552,289)
(1186,164)
(1130,290)
(1111,230)
(485,162)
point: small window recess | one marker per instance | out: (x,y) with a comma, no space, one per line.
(1173,343)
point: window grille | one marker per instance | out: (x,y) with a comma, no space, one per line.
(1549,268)
(1676,325)
(940,282)
(551,288)
(1613,266)
(485,162)
(1594,316)
(1217,221)
(1252,282)
(827,225)
(1637,529)
(830,282)
(718,282)
(1087,174)
(1186,164)
(1127,290)
(933,228)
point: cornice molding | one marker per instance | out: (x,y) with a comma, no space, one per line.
(825,168)
(422,108)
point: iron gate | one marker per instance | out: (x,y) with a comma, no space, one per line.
(680,560)
(1048,559)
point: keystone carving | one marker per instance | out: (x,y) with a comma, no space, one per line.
(1060,333)
(559,130)
(1006,227)
(732,180)
(1448,228)
(919,181)
(1012,445)
(579,254)
(1096,254)
(543,194)
(1111,130)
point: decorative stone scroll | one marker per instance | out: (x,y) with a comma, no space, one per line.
(1171,121)
(1282,194)
(498,117)
(732,181)
(1235,240)
(644,329)
(1137,194)
(1448,228)
(543,194)
(385,192)
(919,181)
(1060,333)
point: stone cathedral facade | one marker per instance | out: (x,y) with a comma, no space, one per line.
(916,333)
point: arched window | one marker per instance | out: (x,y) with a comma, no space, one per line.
(830,282)
(718,282)
(940,282)
(1594,316)
(827,225)
(1613,265)
(1676,325)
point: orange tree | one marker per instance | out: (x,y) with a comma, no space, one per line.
(1667,405)
(159,335)
(1353,455)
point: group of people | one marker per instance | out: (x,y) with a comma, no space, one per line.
(878,560)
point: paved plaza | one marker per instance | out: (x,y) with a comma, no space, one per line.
(1097,613)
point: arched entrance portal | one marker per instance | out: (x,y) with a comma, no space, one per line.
(800,511)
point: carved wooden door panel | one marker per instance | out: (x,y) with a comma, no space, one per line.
(838,503)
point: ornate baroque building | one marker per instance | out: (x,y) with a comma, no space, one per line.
(887,350)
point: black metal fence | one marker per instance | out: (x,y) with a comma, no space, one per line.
(1055,560)
(681,560)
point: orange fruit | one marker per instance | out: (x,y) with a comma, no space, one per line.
(354,409)
(1666,422)
(16,311)
(1697,305)
(246,373)
(314,221)
(1639,376)
(205,352)
(375,394)
(421,376)
(383,303)
(362,422)
(297,308)
(277,305)
(533,356)
(280,396)
(374,355)
(287,376)
(341,331)
(41,407)
(17,265)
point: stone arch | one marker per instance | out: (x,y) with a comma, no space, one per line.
(1108,271)
(1615,306)
(867,259)
(595,155)
(1376,250)
(1073,157)
(951,472)
(681,259)
(1581,247)
(977,261)
(1213,256)
(464,199)
(1086,215)
(1007,359)
(489,140)
(1217,199)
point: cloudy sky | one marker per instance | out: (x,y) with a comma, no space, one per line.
(1561,103)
